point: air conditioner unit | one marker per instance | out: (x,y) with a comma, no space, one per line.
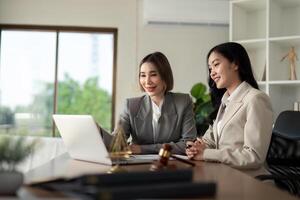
(186,12)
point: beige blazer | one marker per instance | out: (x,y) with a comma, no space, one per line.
(176,124)
(245,132)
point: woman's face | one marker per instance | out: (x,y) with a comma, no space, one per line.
(222,72)
(151,80)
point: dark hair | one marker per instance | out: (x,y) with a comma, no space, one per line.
(238,55)
(163,67)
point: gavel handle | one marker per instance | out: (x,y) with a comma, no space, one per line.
(183,160)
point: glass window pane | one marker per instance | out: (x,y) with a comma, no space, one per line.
(26,82)
(85,67)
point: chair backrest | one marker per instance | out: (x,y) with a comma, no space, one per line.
(285,143)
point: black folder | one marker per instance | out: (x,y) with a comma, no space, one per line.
(131,185)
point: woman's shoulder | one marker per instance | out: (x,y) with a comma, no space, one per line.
(255,95)
(133,104)
(178,95)
(256,92)
(259,100)
(135,101)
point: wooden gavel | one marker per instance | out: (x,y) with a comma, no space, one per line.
(165,154)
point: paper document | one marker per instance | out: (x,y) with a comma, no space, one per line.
(145,156)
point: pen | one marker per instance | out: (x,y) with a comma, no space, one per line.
(183,160)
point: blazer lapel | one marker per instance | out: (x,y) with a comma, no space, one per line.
(143,120)
(215,129)
(233,106)
(167,120)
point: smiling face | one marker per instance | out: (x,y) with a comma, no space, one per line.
(223,72)
(151,81)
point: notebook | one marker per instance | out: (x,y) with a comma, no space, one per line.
(83,141)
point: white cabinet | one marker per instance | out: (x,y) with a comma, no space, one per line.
(268,29)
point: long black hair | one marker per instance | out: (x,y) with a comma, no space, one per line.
(237,54)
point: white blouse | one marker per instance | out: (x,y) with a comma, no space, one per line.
(156,113)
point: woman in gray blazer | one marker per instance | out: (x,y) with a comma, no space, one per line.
(241,133)
(159,116)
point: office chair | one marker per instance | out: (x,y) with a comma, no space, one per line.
(283,156)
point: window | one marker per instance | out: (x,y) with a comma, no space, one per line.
(51,70)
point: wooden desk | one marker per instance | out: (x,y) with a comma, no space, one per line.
(231,183)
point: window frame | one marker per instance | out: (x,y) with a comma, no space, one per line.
(71,29)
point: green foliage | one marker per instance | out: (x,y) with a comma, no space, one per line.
(6,116)
(43,104)
(202,107)
(13,151)
(74,98)
(86,99)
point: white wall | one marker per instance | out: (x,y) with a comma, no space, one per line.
(185,46)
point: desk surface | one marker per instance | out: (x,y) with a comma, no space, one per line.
(231,183)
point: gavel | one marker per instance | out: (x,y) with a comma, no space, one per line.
(164,156)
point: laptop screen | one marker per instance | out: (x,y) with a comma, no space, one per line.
(82,138)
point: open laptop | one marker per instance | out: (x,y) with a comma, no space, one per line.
(83,141)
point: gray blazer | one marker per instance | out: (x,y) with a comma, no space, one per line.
(175,126)
(245,135)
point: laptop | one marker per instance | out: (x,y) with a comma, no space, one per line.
(83,141)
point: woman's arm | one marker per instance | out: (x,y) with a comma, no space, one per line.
(107,137)
(209,138)
(124,120)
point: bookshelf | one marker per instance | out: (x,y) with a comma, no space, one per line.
(268,29)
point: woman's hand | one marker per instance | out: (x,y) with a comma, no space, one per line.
(194,150)
(135,149)
(190,150)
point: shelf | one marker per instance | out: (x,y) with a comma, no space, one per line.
(281,13)
(287,41)
(287,82)
(292,37)
(248,19)
(268,29)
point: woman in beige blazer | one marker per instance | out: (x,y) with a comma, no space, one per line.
(159,116)
(241,133)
